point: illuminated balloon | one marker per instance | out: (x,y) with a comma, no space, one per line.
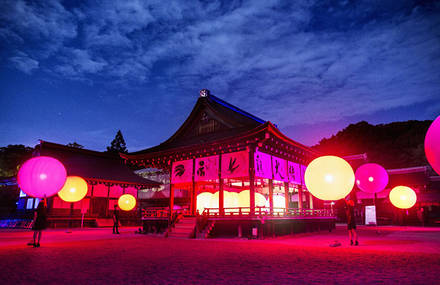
(403,197)
(41,176)
(329,178)
(260,200)
(244,198)
(231,201)
(432,145)
(203,201)
(214,200)
(278,202)
(74,189)
(127,202)
(371,178)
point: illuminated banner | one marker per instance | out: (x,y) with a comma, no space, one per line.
(279,169)
(303,172)
(182,171)
(262,164)
(294,172)
(235,164)
(206,168)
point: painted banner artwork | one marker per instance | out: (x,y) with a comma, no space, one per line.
(206,168)
(294,172)
(262,164)
(235,164)
(303,172)
(182,171)
(279,169)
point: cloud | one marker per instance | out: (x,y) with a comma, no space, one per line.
(288,62)
(24,63)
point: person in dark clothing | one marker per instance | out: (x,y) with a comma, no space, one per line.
(351,223)
(116,220)
(39,222)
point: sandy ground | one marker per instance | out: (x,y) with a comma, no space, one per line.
(395,255)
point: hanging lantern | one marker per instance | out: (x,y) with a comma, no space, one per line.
(432,145)
(329,178)
(41,176)
(73,190)
(127,202)
(403,197)
(371,178)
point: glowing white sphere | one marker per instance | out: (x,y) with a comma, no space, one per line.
(329,178)
(203,201)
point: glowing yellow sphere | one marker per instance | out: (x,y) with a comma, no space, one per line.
(329,178)
(203,201)
(278,202)
(73,190)
(214,200)
(127,202)
(403,197)
(231,200)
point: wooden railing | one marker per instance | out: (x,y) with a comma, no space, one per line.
(265,211)
(160,213)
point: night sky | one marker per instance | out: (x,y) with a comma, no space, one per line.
(79,72)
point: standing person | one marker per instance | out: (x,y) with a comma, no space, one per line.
(39,222)
(116,220)
(351,223)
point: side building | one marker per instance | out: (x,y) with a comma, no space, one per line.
(107,179)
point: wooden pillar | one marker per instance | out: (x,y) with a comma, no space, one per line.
(193,202)
(310,201)
(251,180)
(271,196)
(171,198)
(286,194)
(300,192)
(171,194)
(221,193)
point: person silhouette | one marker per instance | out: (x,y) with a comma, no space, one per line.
(39,223)
(116,220)
(351,223)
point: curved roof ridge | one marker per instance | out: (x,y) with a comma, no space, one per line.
(236,109)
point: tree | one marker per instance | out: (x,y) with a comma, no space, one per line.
(75,145)
(393,145)
(11,157)
(118,144)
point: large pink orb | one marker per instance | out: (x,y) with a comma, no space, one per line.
(41,176)
(432,145)
(371,178)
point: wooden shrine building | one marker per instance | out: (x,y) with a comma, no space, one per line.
(246,166)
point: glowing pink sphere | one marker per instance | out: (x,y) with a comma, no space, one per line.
(371,178)
(41,176)
(432,145)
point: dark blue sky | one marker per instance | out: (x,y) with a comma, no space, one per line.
(81,72)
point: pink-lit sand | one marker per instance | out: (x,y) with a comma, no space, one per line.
(396,255)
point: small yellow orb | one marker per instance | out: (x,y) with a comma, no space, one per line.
(127,202)
(73,190)
(403,197)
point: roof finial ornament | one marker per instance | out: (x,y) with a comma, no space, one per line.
(204,93)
